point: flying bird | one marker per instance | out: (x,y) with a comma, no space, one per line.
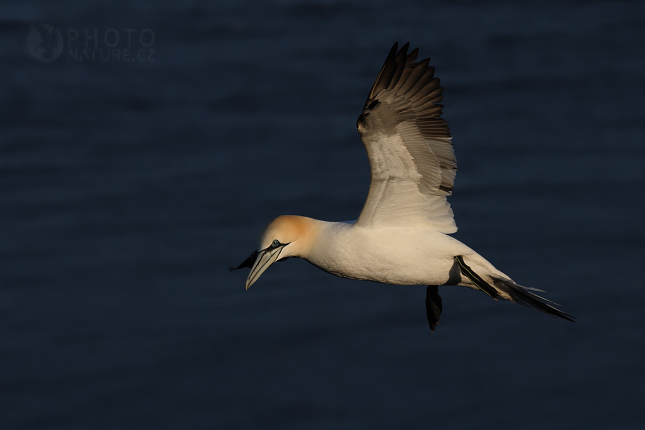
(401,237)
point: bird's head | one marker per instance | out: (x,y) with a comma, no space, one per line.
(286,236)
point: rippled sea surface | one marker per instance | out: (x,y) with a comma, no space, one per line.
(133,172)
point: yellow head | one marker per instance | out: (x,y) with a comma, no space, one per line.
(286,236)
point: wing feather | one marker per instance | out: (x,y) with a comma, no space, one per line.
(408,145)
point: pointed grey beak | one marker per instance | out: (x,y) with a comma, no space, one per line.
(265,258)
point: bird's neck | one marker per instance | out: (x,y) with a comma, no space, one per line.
(323,238)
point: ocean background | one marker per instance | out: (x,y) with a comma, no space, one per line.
(128,187)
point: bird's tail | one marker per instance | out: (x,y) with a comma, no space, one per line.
(509,290)
(526,296)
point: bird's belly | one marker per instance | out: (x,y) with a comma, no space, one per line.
(390,257)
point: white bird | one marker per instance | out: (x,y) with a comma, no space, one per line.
(401,236)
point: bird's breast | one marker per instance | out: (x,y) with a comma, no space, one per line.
(400,256)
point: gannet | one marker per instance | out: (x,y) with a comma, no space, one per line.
(401,235)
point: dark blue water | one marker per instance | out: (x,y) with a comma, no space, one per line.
(128,187)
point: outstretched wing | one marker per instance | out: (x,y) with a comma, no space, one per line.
(409,147)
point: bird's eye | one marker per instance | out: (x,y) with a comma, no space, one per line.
(275,243)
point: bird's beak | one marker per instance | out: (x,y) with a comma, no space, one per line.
(265,258)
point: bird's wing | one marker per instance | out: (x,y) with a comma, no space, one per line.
(409,147)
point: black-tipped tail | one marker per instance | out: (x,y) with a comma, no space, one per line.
(526,297)
(517,293)
(475,278)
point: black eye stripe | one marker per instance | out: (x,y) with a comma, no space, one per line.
(275,244)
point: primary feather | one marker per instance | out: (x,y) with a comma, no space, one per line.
(409,147)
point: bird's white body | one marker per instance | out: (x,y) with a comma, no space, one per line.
(391,255)
(400,236)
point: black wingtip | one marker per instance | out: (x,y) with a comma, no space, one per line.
(404,49)
(246,263)
(475,278)
(526,297)
(393,50)
(518,293)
